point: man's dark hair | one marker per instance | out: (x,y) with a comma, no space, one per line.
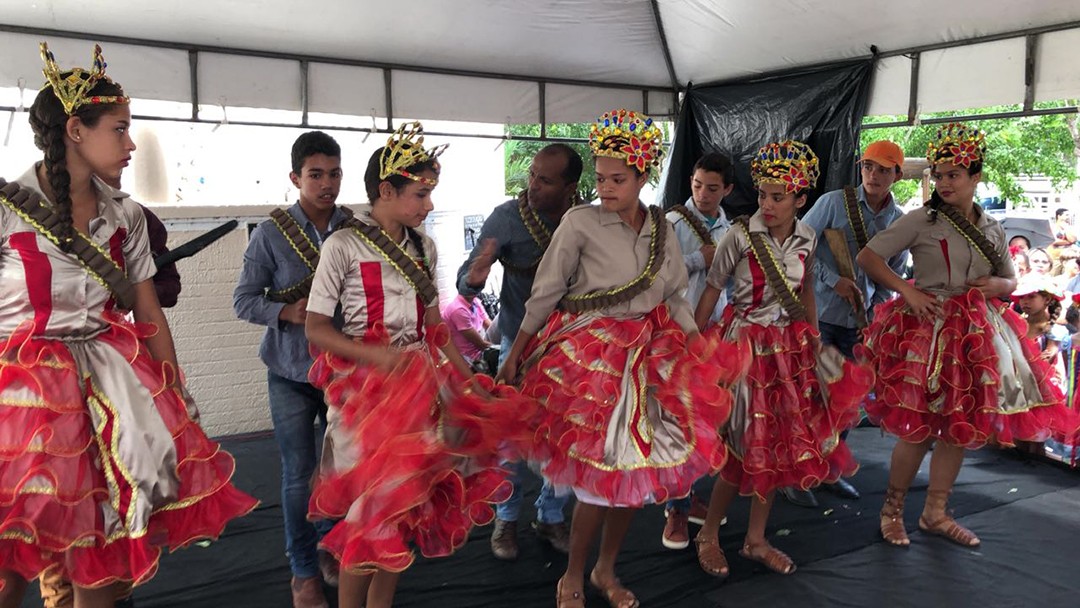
(1060,212)
(574,164)
(310,144)
(715,162)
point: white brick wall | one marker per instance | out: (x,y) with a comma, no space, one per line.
(217,351)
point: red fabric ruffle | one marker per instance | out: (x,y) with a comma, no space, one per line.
(899,347)
(426,467)
(791,434)
(51,478)
(579,377)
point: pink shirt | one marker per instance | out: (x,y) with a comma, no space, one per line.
(461,315)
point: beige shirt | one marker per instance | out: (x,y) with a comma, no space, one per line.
(752,296)
(594,250)
(40,283)
(944,259)
(370,290)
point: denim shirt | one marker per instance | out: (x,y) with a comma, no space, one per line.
(516,245)
(270,263)
(830,212)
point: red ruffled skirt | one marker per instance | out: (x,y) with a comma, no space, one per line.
(101,464)
(790,409)
(412,458)
(969,378)
(628,412)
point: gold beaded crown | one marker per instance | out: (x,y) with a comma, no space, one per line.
(958,144)
(405,149)
(790,163)
(73,90)
(631,136)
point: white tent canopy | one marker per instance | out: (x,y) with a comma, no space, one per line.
(528,61)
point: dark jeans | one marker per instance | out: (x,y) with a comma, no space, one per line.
(844,339)
(294,406)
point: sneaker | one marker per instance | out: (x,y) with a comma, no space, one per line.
(329,568)
(698,511)
(307,593)
(504,543)
(676,535)
(557,535)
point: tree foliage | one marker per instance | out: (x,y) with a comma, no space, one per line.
(518,155)
(1037,145)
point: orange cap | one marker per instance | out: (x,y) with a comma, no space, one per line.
(884,153)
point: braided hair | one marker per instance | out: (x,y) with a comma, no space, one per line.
(49,123)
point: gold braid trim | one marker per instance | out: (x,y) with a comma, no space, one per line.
(30,207)
(766,258)
(416,274)
(855,216)
(302,245)
(695,222)
(597,300)
(973,235)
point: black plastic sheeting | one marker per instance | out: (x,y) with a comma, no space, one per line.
(822,107)
(1027,513)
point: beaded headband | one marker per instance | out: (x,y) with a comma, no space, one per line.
(790,163)
(405,149)
(958,144)
(73,90)
(627,135)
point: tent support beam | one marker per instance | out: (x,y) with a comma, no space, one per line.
(973,117)
(913,95)
(303,93)
(1030,49)
(34,31)
(667,52)
(387,131)
(193,66)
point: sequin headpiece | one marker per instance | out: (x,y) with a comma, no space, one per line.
(73,91)
(790,163)
(958,144)
(405,149)
(628,135)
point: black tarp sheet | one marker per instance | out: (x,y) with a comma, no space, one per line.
(822,107)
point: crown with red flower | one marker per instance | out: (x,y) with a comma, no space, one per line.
(631,136)
(73,90)
(958,144)
(790,163)
(405,149)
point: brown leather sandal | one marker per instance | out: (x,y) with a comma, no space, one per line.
(892,518)
(946,526)
(711,557)
(615,594)
(773,558)
(574,599)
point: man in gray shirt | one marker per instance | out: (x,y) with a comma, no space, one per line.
(517,234)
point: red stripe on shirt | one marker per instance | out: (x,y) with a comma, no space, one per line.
(948,262)
(38,272)
(371,276)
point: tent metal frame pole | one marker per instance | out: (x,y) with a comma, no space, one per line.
(1031,47)
(974,117)
(255,123)
(542,95)
(193,66)
(913,88)
(304,93)
(667,54)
